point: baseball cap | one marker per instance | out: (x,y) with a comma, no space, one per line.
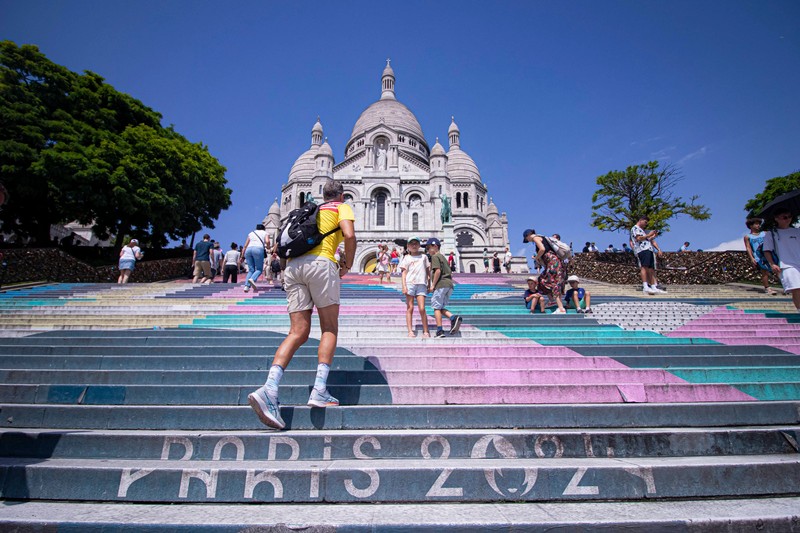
(573,278)
(135,240)
(533,278)
(433,240)
(525,235)
(415,239)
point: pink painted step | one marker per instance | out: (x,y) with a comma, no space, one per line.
(506,377)
(391,363)
(736,334)
(755,328)
(465,350)
(555,394)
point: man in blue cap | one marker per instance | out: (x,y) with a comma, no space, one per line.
(442,287)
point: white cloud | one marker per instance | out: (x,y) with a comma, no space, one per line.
(663,153)
(646,141)
(694,155)
(734,245)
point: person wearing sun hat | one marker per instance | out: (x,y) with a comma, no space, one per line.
(414,277)
(577,297)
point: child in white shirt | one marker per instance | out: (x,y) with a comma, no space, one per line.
(415,268)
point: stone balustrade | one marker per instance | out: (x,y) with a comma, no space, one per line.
(53,264)
(674,268)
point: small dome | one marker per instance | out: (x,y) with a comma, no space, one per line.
(325,149)
(437,149)
(453,127)
(304,165)
(317,127)
(275,209)
(492,209)
(461,165)
(388,70)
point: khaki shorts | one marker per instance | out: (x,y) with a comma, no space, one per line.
(311,281)
(202,267)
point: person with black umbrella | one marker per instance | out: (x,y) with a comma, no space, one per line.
(782,250)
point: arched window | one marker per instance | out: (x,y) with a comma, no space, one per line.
(472,268)
(302,199)
(466,200)
(380,201)
(348,198)
(458,199)
(415,222)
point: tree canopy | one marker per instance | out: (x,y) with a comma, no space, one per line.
(639,190)
(74,148)
(774,188)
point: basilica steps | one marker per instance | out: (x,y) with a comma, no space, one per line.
(538,421)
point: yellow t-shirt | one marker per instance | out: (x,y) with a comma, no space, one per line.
(328,217)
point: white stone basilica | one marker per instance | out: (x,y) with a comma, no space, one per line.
(398,187)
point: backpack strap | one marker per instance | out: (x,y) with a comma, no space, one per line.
(260,239)
(331,232)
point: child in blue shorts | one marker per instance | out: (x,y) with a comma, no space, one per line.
(576,297)
(532,296)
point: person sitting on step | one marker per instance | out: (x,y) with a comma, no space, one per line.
(532,297)
(577,297)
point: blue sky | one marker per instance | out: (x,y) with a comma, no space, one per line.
(548,95)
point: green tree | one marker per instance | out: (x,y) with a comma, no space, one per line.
(639,190)
(774,188)
(74,148)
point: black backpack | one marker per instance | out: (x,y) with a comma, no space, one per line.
(301,234)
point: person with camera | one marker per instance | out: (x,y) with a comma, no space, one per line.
(644,243)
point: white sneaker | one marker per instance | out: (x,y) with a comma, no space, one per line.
(656,290)
(648,290)
(559,312)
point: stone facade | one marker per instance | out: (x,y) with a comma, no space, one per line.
(397,186)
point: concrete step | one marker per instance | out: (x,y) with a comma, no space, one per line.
(398,444)
(495,375)
(766,515)
(365,417)
(436,478)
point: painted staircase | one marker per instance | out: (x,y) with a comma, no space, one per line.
(124,408)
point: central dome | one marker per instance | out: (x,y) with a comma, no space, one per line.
(391,113)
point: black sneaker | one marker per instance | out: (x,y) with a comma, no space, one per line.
(455,324)
(440,334)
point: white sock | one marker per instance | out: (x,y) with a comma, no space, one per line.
(645,286)
(321,381)
(274,379)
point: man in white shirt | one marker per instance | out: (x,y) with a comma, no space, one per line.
(643,244)
(784,242)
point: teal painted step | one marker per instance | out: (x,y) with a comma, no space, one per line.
(770,391)
(739,374)
(483,310)
(154,395)
(184,377)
